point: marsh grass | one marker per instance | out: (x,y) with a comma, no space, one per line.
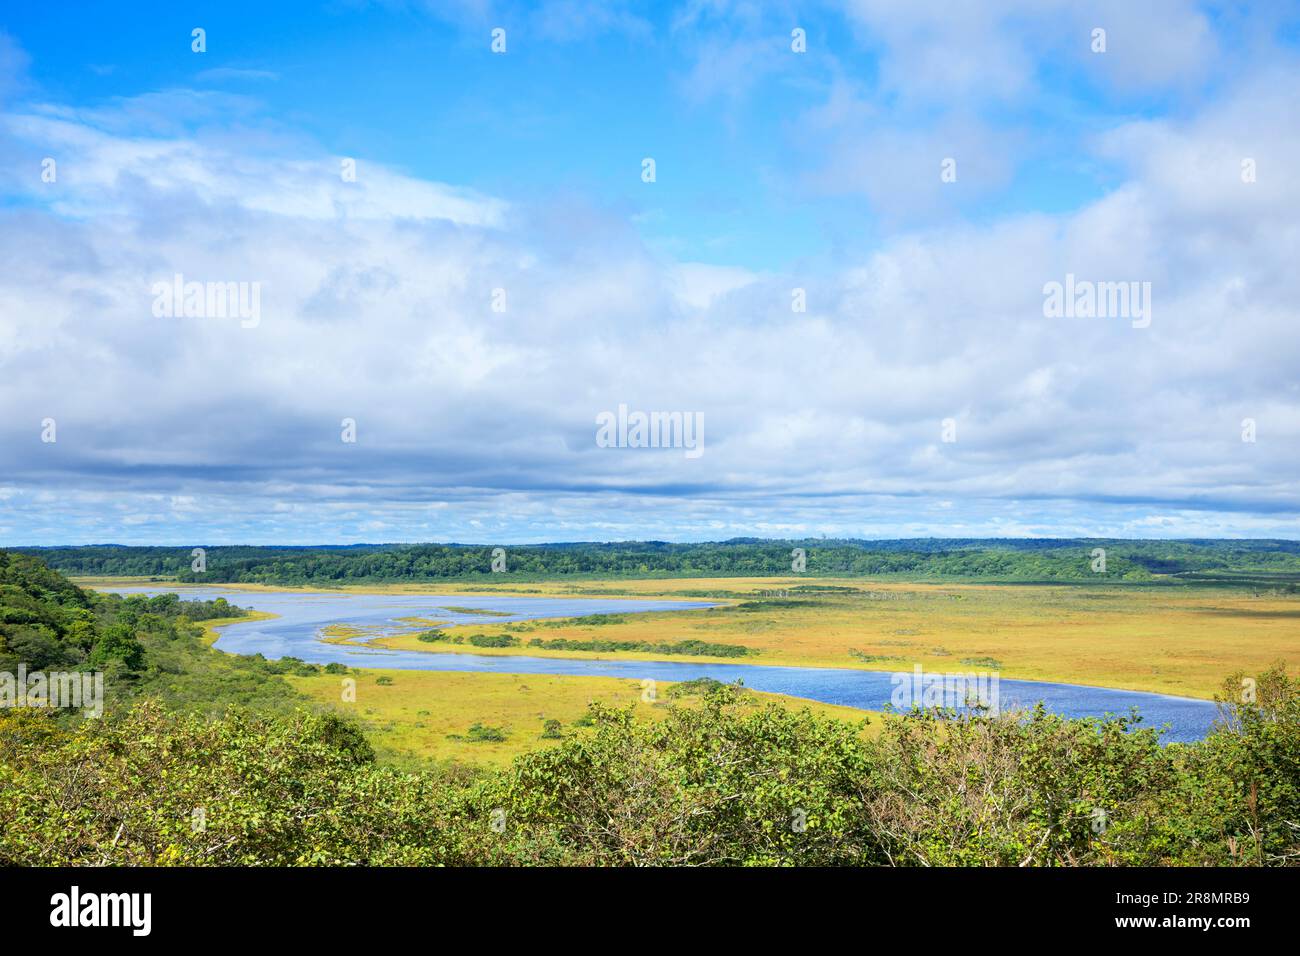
(1166,639)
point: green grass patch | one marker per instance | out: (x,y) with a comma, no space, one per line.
(689,648)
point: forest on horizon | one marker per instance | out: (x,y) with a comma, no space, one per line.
(1259,563)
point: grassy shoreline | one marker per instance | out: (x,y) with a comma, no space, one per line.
(416,716)
(210,633)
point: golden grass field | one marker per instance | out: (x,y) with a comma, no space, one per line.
(1178,640)
(416,717)
(1169,640)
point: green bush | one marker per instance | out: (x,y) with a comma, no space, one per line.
(688,648)
(490,640)
(725,782)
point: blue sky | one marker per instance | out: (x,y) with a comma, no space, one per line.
(575,105)
(521,171)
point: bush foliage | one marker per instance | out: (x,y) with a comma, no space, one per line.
(723,783)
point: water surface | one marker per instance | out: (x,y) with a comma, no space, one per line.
(302,615)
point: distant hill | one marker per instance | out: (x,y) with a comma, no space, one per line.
(1271,563)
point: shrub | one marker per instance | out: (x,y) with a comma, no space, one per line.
(493,640)
(724,782)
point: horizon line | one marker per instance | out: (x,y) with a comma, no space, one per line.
(630,541)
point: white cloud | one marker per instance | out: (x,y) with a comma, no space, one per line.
(698,284)
(99,170)
(377,306)
(223,73)
(940,51)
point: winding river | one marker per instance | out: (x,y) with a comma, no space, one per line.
(301,616)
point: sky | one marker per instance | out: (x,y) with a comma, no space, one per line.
(825,233)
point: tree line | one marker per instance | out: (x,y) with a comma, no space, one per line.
(1260,563)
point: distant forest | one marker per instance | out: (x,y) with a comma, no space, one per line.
(1270,564)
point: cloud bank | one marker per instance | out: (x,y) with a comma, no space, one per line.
(474,339)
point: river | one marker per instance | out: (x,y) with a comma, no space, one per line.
(301,616)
